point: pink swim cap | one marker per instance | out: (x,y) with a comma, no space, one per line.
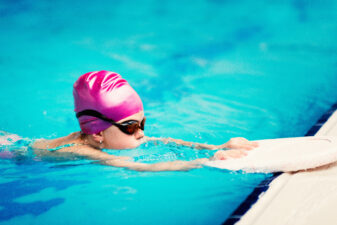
(105,92)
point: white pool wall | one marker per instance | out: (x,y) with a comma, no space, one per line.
(306,197)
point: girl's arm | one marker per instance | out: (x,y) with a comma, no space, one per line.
(111,160)
(117,161)
(233,143)
(155,167)
(176,165)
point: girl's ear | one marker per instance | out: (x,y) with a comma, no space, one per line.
(98,138)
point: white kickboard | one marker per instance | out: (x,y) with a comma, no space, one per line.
(284,155)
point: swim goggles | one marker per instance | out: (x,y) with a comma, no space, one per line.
(127,127)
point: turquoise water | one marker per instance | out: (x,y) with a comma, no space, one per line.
(206,71)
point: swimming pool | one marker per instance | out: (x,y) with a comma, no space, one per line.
(206,72)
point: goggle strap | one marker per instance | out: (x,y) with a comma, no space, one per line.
(94,113)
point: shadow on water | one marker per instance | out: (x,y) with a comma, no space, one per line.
(16,189)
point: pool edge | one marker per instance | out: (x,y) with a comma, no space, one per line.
(254,204)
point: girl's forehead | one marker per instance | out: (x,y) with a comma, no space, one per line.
(137,116)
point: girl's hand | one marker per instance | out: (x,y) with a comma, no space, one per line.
(226,154)
(239,143)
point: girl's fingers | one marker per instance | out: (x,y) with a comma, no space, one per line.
(223,155)
(241,143)
(234,154)
(249,145)
(240,154)
(245,147)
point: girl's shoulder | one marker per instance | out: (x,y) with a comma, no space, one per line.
(57,143)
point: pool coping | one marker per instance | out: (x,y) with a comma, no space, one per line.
(255,203)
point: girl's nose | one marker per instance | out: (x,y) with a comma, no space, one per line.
(139,134)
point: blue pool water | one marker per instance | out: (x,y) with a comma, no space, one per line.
(206,71)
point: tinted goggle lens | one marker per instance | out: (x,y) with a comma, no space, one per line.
(130,127)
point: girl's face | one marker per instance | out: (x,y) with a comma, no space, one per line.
(114,138)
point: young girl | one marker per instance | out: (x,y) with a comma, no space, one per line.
(111,116)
